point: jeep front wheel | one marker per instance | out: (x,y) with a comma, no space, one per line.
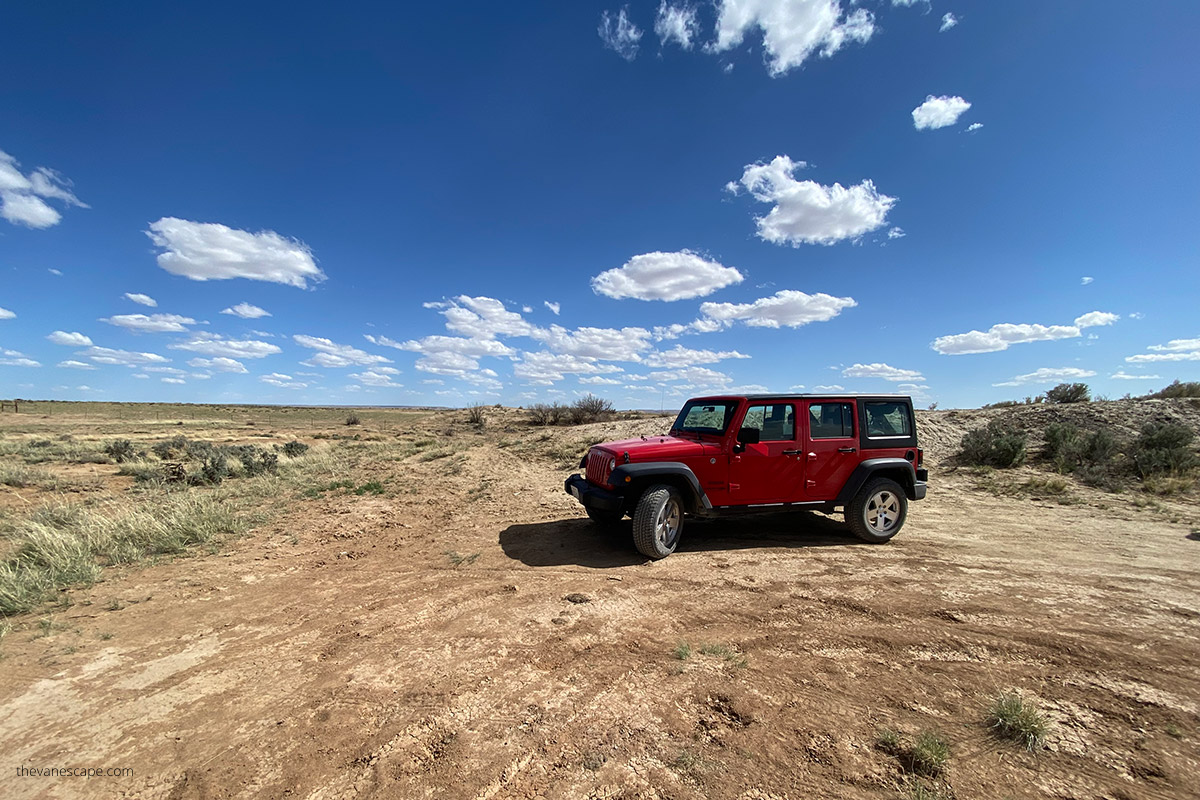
(657,521)
(877,512)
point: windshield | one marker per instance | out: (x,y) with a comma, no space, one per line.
(705,417)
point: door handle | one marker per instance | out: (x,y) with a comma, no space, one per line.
(792,452)
(847,450)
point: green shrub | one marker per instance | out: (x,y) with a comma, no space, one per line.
(213,470)
(590,409)
(295,449)
(119,450)
(1069,393)
(994,445)
(1177,389)
(1089,455)
(1015,719)
(352,419)
(173,448)
(1163,448)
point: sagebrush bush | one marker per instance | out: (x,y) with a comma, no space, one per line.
(1071,449)
(1177,389)
(547,414)
(352,419)
(1164,448)
(1069,393)
(994,445)
(173,448)
(119,450)
(475,414)
(590,409)
(295,449)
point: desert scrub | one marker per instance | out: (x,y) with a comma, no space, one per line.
(119,450)
(994,445)
(1164,449)
(295,449)
(61,545)
(926,755)
(1017,720)
(20,476)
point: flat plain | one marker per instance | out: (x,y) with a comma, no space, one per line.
(414,608)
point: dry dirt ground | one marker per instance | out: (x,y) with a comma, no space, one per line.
(469,634)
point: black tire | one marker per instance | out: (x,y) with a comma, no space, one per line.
(878,511)
(605,519)
(658,521)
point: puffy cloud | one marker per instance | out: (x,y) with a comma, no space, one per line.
(793,30)
(938,112)
(787,308)
(1121,375)
(807,212)
(1049,375)
(554,307)
(544,368)
(23,197)
(702,377)
(483,318)
(676,23)
(246,311)
(1085,280)
(121,358)
(675,329)
(833,387)
(6,314)
(72,364)
(680,356)
(283,381)
(1159,357)
(974,126)
(599,380)
(154,323)
(205,251)
(331,354)
(1176,345)
(999,337)
(71,339)
(218,364)
(166,370)
(948,22)
(608,344)
(896,233)
(143,299)
(173,380)
(212,344)
(13,358)
(448,355)
(665,276)
(879,370)
(377,376)
(619,34)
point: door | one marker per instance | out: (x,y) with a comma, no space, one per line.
(771,471)
(831,444)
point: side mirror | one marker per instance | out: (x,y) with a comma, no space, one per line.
(749,436)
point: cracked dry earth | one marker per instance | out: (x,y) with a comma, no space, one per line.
(472,635)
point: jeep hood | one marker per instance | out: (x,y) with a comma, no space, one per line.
(659,448)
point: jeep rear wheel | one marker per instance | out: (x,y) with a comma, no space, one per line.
(877,512)
(658,521)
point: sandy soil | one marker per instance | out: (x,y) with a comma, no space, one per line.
(470,634)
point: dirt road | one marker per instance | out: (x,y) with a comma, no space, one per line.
(471,635)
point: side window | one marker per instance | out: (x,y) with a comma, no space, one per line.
(887,419)
(777,422)
(831,420)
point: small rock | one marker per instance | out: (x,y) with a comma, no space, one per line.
(577,598)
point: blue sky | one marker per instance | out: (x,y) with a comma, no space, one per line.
(527,202)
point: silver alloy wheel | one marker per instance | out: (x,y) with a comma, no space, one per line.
(883,511)
(666,525)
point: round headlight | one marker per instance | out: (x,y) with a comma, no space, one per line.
(612,464)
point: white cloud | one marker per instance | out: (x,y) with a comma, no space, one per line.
(447,355)
(1000,337)
(1049,375)
(377,376)
(806,211)
(283,381)
(1176,345)
(71,339)
(938,112)
(173,380)
(23,197)
(1153,358)
(546,368)
(6,314)
(214,345)
(331,354)
(948,22)
(72,364)
(665,276)
(974,126)
(53,271)
(607,344)
(833,387)
(143,299)
(206,251)
(793,30)
(13,358)
(879,370)
(554,307)
(598,380)
(676,23)
(680,356)
(896,233)
(619,34)
(1121,375)
(154,323)
(140,376)
(166,370)
(702,377)
(787,308)
(121,358)
(246,311)
(1085,280)
(483,318)
(218,364)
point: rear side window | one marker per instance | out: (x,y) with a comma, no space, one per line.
(830,420)
(886,419)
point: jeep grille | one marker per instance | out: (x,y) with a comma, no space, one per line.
(597,467)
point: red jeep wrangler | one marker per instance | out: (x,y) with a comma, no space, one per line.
(731,454)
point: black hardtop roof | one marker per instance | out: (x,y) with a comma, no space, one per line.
(805,396)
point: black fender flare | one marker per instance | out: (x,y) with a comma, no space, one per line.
(675,473)
(873,466)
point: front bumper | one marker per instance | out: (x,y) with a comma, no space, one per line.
(593,496)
